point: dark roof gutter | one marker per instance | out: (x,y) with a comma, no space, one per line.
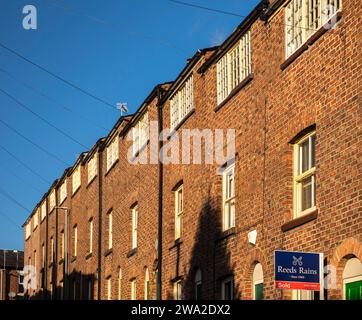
(191,63)
(234,37)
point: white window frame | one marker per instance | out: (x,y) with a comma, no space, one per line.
(63,192)
(76,179)
(43,210)
(177,290)
(112,152)
(182,102)
(304,18)
(35,266)
(179,209)
(92,168)
(27,230)
(36,219)
(75,241)
(134,226)
(141,133)
(51,249)
(120,284)
(62,244)
(302,295)
(223,284)
(299,176)
(228,198)
(43,255)
(109,288)
(91,235)
(234,67)
(257,281)
(52,200)
(110,229)
(147,284)
(134,289)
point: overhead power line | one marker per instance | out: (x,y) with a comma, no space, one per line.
(10,219)
(7,170)
(33,143)
(104,102)
(55,102)
(43,119)
(115,27)
(24,164)
(207,8)
(8,196)
(191,5)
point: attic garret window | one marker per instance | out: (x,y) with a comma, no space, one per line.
(112,152)
(234,67)
(52,201)
(140,133)
(182,103)
(43,210)
(304,17)
(76,179)
(92,167)
(63,192)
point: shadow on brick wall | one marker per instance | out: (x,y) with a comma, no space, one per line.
(210,262)
(80,287)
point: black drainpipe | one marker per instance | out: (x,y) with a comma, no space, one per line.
(160,191)
(99,223)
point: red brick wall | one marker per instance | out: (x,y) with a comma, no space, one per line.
(321,87)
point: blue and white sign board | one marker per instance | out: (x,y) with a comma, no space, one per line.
(298,270)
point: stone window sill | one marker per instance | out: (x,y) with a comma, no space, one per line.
(108,252)
(91,181)
(226,234)
(75,192)
(300,221)
(131,253)
(241,85)
(175,244)
(111,167)
(181,123)
(313,38)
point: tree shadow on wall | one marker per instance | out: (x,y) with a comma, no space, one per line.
(210,264)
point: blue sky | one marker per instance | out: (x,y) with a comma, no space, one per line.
(142,43)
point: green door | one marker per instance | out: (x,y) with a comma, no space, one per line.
(354,290)
(259,291)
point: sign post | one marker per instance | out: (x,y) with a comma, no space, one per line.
(299,270)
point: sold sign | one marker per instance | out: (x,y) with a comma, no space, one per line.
(298,270)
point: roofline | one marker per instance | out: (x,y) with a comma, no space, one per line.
(152,95)
(77,162)
(273,8)
(92,151)
(185,71)
(114,129)
(231,40)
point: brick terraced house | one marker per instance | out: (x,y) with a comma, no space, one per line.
(123,223)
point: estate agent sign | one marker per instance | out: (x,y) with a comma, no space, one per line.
(298,270)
